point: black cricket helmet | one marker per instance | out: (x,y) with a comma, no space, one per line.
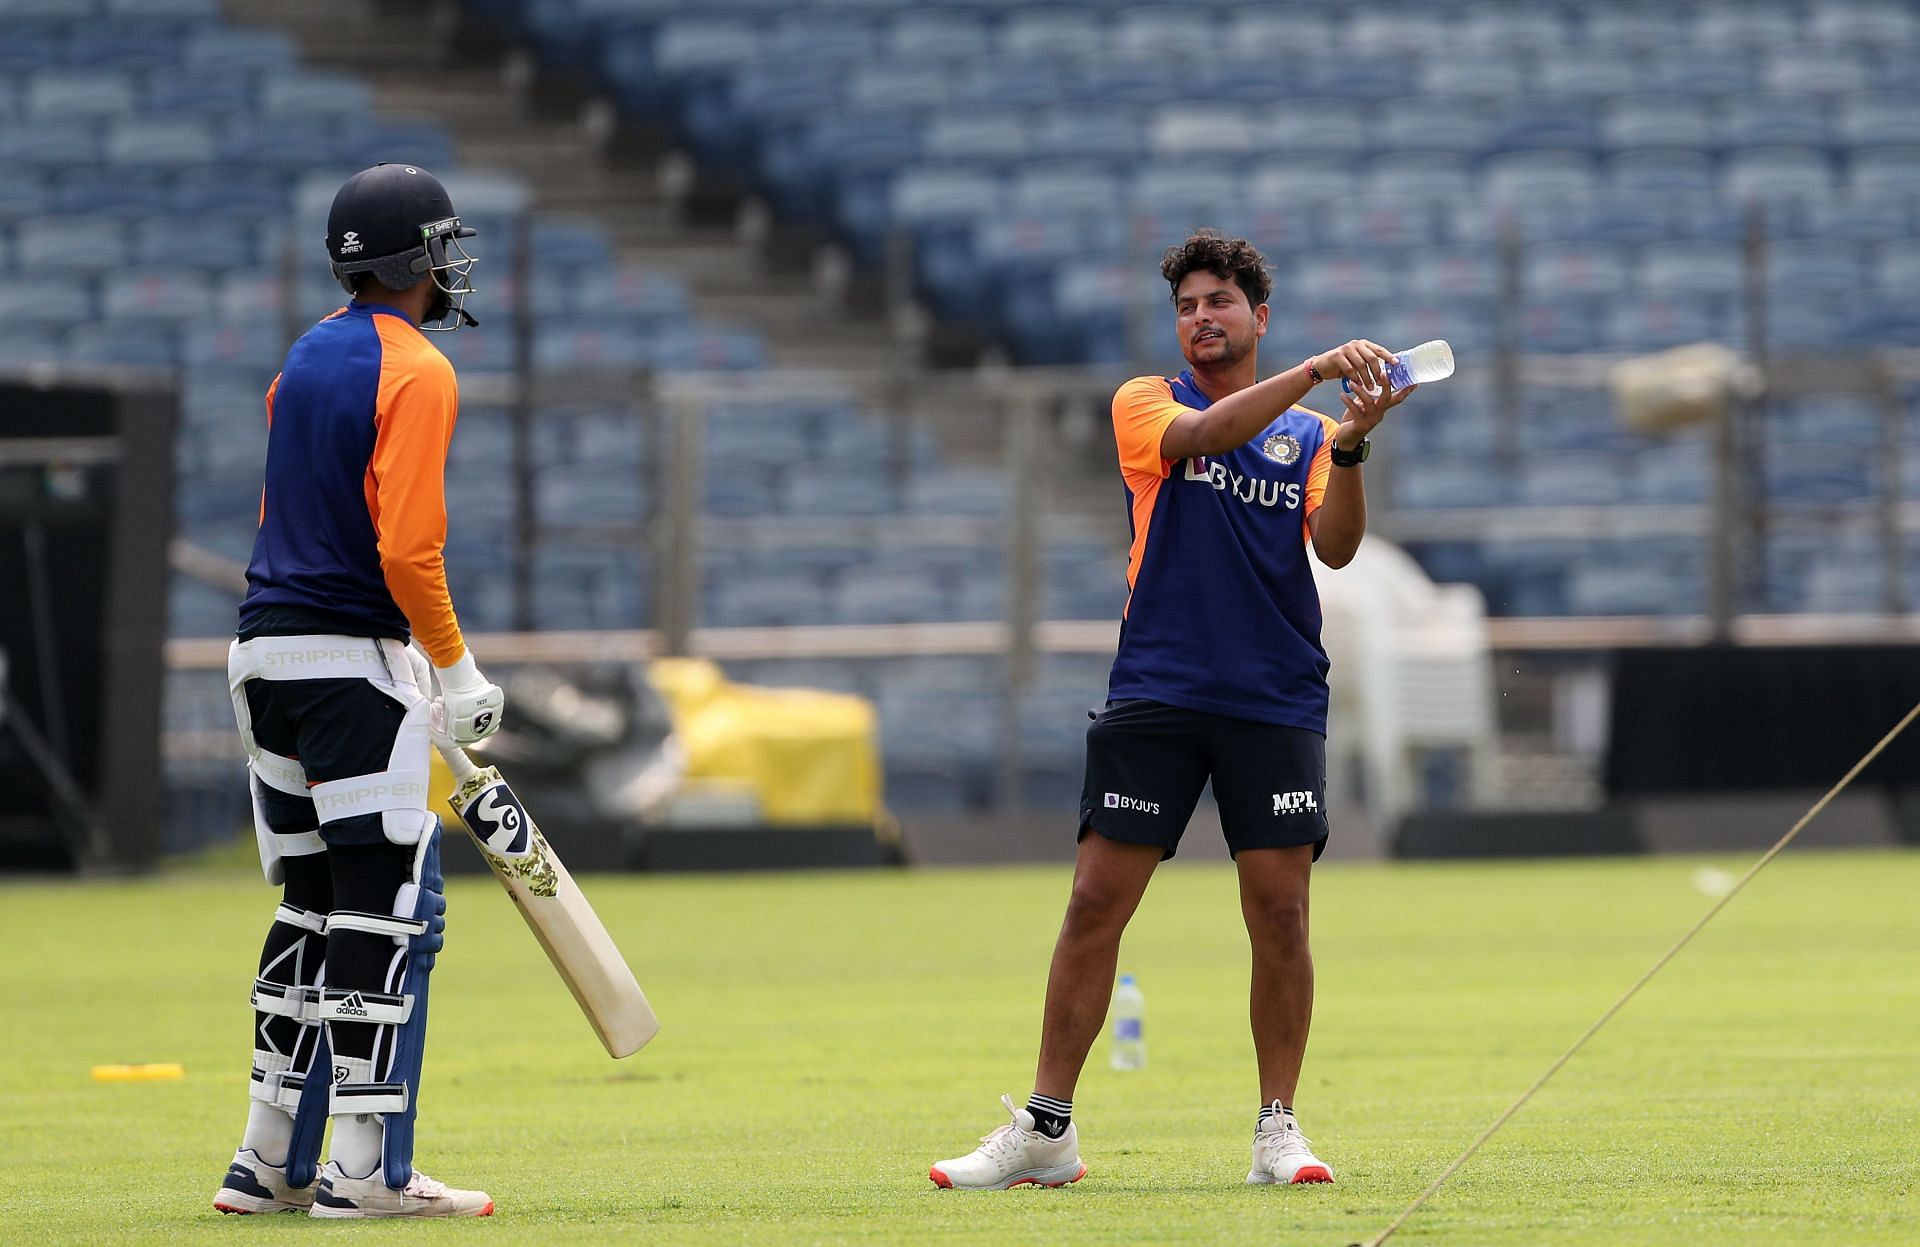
(396,223)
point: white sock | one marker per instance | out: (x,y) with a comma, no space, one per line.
(356,1143)
(269,1132)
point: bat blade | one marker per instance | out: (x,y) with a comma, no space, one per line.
(555,908)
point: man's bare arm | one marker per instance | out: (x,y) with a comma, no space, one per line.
(1235,419)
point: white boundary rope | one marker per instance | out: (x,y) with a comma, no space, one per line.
(1631,992)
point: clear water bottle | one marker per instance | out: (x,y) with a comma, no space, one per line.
(1129,1025)
(1430,361)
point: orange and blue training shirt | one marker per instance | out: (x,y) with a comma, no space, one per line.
(1222,615)
(353,517)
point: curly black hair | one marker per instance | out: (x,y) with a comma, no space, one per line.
(1233,259)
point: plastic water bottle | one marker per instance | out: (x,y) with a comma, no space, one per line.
(1430,361)
(1129,1025)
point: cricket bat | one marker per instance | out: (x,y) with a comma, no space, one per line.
(555,909)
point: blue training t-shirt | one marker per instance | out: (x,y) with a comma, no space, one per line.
(1223,615)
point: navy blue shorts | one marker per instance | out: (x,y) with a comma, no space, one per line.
(337,729)
(1147,763)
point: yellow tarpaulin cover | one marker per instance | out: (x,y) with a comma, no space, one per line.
(809,755)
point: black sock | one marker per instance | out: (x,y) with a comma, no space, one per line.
(1270,1111)
(1050,1116)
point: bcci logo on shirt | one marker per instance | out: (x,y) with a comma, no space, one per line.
(1282,448)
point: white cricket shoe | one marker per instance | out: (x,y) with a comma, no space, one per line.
(1014,1155)
(1282,1155)
(341,1196)
(252,1185)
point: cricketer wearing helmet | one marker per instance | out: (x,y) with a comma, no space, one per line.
(335,710)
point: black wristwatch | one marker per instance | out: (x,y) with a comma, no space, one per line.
(1352,458)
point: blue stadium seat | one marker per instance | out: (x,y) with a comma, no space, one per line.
(1450,481)
(1700,73)
(1201,129)
(994,136)
(1267,30)
(1659,122)
(50,303)
(1306,125)
(1885,319)
(837,487)
(1886,172)
(1897,266)
(102,193)
(828,38)
(1538,175)
(1775,120)
(217,51)
(891,595)
(1823,71)
(1650,587)
(49,145)
(235,345)
(1380,218)
(769,601)
(1053,32)
(1869,25)
(1588,73)
(1755,25)
(1420,176)
(1657,322)
(58,244)
(309,96)
(55,95)
(1421,123)
(1674,473)
(1357,274)
(163,294)
(212,97)
(905,87)
(1494,74)
(1633,28)
(1587,269)
(1818,472)
(1089,131)
(1618,215)
(171,10)
(1558,326)
(934,34)
(1166,30)
(1664,172)
(592,342)
(1778,173)
(1814,266)
(1446,273)
(23,193)
(1876,118)
(395,140)
(959,491)
(1859,218)
(223,189)
(1396,31)
(137,343)
(159,144)
(1490,27)
(1689,268)
(1573,478)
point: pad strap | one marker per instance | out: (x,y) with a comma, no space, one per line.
(282,774)
(369,1097)
(280,1088)
(401,929)
(283,1000)
(369,794)
(305,919)
(321,657)
(346,1004)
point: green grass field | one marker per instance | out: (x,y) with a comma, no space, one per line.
(828,1036)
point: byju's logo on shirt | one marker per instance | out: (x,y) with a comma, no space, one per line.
(1295,803)
(1117,802)
(1256,491)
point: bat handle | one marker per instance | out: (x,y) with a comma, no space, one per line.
(458,762)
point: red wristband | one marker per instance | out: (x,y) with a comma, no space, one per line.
(1313,371)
